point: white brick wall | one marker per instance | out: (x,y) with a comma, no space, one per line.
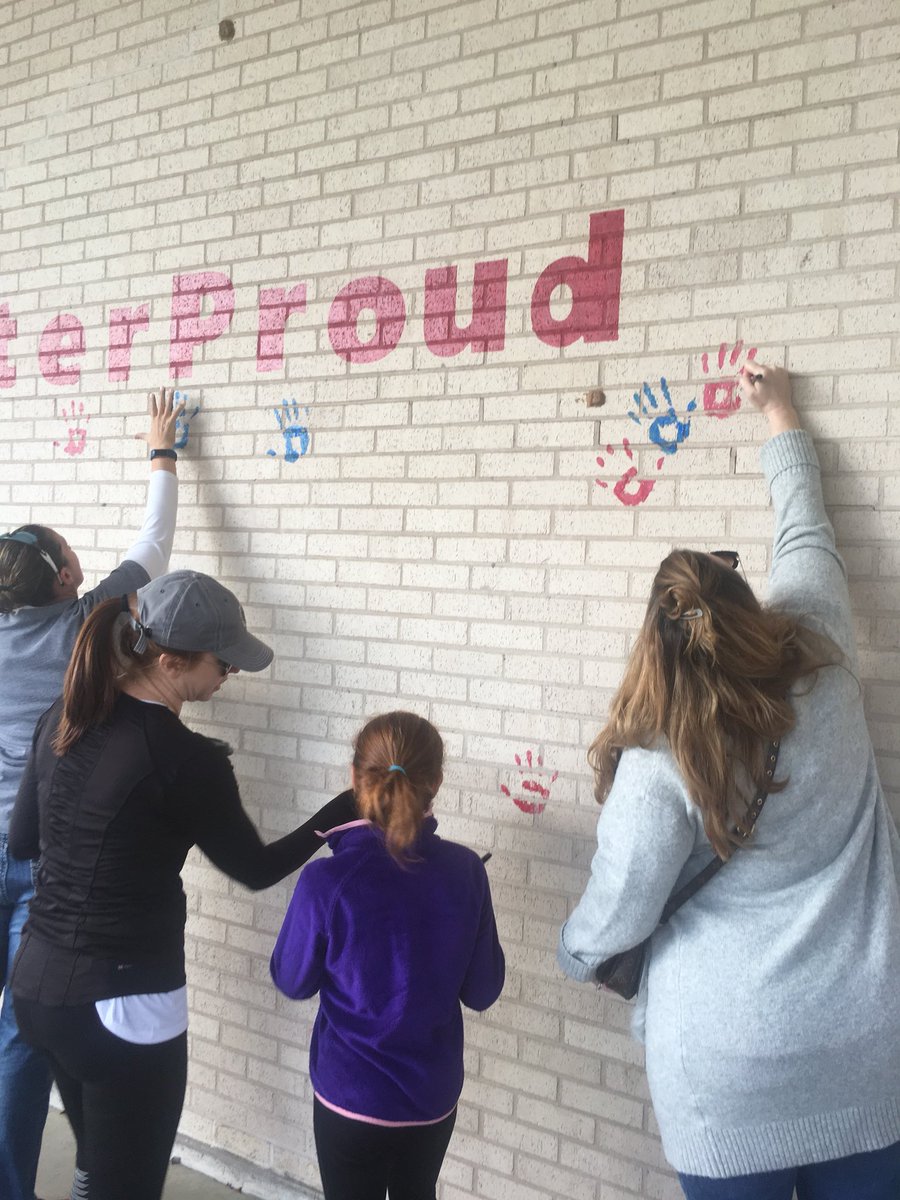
(449,541)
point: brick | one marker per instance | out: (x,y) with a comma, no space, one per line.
(856,81)
(681,115)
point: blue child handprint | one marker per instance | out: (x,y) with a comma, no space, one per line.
(288,418)
(666,430)
(183,423)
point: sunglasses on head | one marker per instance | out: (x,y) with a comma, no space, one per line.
(730,557)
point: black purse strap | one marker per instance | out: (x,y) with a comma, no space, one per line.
(694,885)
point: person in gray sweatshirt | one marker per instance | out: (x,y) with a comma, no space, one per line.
(769,1002)
(41,613)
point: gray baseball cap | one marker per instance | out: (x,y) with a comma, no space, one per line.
(185,610)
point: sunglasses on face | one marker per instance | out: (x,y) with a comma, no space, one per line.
(224,667)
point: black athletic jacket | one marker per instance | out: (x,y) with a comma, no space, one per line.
(113,821)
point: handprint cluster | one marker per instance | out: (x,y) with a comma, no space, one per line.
(666,428)
(294,429)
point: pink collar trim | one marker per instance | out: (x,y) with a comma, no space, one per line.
(340,828)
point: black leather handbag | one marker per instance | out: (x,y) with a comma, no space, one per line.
(622,972)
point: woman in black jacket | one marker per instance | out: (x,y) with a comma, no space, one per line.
(116,792)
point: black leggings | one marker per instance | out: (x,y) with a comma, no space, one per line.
(359,1161)
(123,1101)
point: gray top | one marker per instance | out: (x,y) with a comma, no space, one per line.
(770,1004)
(36,643)
(35,647)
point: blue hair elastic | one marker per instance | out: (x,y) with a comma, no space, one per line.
(394,767)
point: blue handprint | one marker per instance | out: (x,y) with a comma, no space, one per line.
(666,430)
(288,418)
(183,423)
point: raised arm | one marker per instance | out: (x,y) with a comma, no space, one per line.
(148,556)
(808,576)
(153,545)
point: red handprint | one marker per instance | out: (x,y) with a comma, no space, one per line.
(77,432)
(623,490)
(721,397)
(531,783)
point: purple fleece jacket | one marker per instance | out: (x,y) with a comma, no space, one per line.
(391,951)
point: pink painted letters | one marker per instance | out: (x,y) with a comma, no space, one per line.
(275,306)
(487,329)
(62,338)
(382,297)
(188,328)
(595,283)
(203,304)
(124,323)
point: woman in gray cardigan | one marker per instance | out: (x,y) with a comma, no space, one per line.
(770,1004)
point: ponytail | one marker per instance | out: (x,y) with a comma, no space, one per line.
(398,767)
(104,656)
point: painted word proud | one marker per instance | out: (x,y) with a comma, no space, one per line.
(594,284)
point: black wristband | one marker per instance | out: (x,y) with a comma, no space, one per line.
(163,454)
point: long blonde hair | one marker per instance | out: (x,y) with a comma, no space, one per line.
(710,672)
(397,769)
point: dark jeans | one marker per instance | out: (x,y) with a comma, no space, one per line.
(123,1101)
(871,1176)
(359,1161)
(24,1073)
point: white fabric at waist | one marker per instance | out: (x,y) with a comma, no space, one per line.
(146,1019)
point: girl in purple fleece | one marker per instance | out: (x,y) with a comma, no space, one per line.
(392,931)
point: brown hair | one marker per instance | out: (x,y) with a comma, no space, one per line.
(25,578)
(710,672)
(396,800)
(103,658)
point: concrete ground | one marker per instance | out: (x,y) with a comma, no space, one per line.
(58,1160)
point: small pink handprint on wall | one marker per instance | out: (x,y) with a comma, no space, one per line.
(628,489)
(534,783)
(721,397)
(77,429)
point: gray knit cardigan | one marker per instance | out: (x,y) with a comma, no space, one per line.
(770,1004)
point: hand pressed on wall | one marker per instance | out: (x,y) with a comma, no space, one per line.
(183,422)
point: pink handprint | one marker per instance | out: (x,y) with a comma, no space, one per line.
(721,397)
(628,489)
(531,783)
(77,432)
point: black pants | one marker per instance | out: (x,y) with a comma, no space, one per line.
(123,1101)
(359,1161)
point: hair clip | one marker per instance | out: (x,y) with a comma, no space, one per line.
(143,635)
(691,615)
